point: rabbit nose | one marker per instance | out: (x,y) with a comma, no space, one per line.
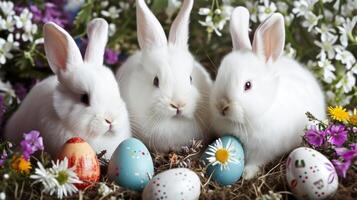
(178,107)
(224,110)
(223,106)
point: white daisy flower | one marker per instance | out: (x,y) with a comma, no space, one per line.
(264,11)
(66,178)
(43,176)
(112,29)
(222,155)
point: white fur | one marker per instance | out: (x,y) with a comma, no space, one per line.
(53,106)
(153,120)
(270,117)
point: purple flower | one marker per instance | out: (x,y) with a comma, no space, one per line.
(341,167)
(52,12)
(32,142)
(338,134)
(37,14)
(315,137)
(3,157)
(346,154)
(110,56)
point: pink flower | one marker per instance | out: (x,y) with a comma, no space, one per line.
(315,137)
(338,134)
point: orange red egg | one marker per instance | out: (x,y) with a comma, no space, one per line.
(81,156)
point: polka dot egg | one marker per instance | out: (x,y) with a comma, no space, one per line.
(179,183)
(310,175)
(131,165)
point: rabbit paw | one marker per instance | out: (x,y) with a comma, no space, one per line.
(250,172)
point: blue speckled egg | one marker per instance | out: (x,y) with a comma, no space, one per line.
(131,165)
(225,159)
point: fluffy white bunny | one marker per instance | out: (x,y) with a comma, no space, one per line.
(261,96)
(166,90)
(81,100)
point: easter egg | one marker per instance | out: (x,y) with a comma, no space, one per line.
(82,157)
(225,160)
(179,183)
(310,175)
(131,165)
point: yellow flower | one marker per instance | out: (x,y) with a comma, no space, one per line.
(338,113)
(353,117)
(19,164)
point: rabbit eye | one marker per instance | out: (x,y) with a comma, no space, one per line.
(156,82)
(85,99)
(191,79)
(247,86)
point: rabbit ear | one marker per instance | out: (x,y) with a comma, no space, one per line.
(97,31)
(178,35)
(239,27)
(150,32)
(61,50)
(269,39)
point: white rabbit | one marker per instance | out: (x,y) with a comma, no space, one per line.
(166,90)
(259,95)
(81,100)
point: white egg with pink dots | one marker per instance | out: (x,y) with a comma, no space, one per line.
(310,175)
(178,183)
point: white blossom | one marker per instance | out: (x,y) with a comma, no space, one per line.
(311,20)
(327,46)
(172,6)
(2,196)
(5,50)
(112,12)
(346,28)
(325,31)
(104,189)
(252,7)
(7,24)
(347,82)
(328,70)
(345,56)
(290,51)
(124,5)
(264,11)
(112,29)
(303,7)
(7,7)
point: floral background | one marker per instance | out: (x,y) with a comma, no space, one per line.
(321,34)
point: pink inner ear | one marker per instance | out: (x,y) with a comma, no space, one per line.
(57,48)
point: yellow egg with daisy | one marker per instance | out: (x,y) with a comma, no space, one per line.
(225,160)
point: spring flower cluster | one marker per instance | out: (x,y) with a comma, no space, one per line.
(336,137)
(16,166)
